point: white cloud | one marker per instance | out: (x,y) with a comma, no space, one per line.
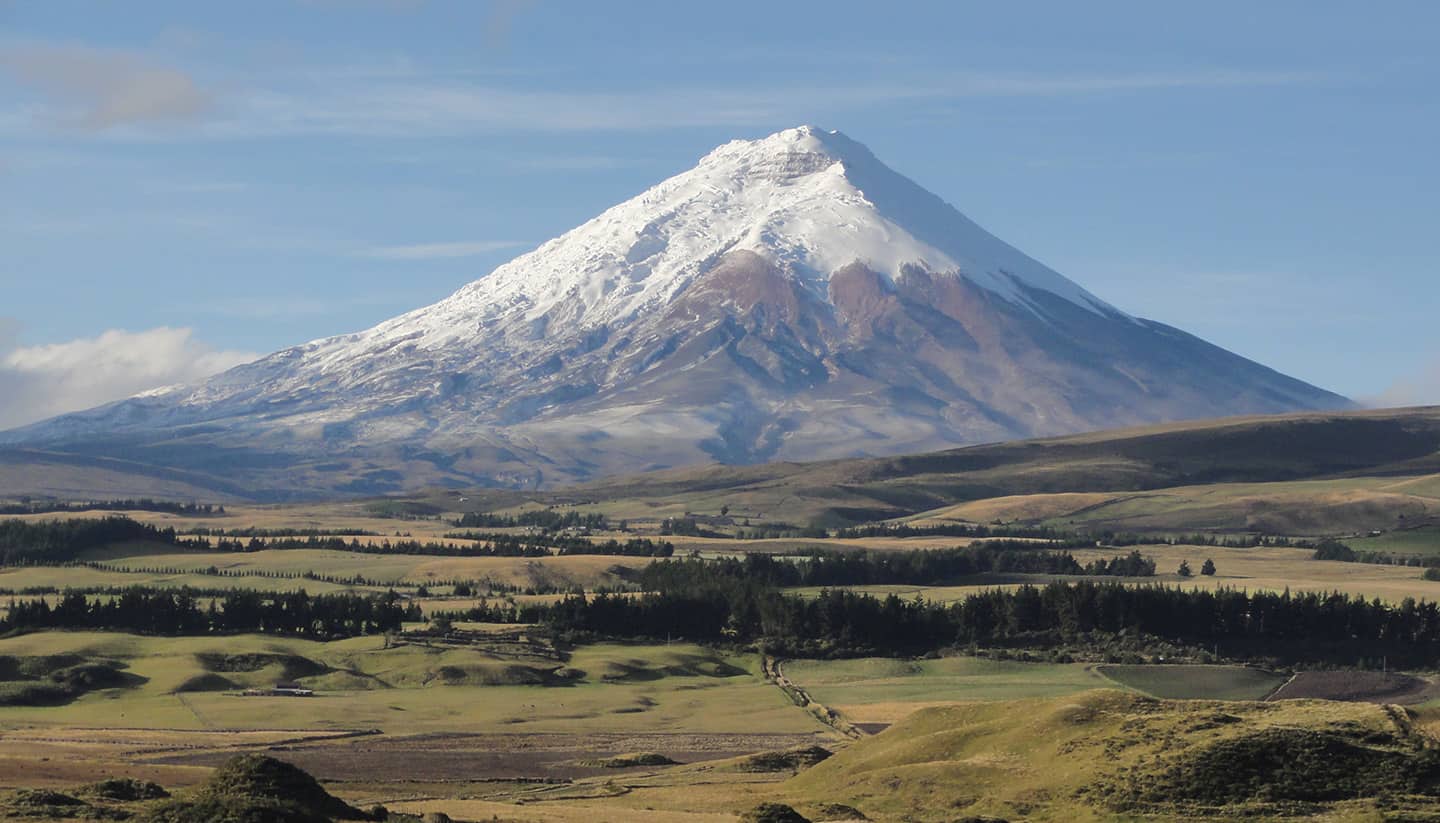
(439,251)
(1422,389)
(98,89)
(37,382)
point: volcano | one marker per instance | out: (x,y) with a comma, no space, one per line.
(788,298)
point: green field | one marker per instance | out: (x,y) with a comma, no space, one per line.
(1194,682)
(410,688)
(587,571)
(81,577)
(1424,541)
(877,689)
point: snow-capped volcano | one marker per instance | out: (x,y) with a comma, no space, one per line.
(787,298)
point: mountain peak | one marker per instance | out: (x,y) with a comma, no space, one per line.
(791,153)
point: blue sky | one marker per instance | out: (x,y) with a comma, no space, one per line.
(185,184)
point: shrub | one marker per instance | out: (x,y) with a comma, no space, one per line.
(126,789)
(773,813)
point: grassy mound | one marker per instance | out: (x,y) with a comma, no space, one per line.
(789,760)
(34,694)
(773,813)
(54,680)
(13,667)
(1103,753)
(628,761)
(1286,764)
(208,682)
(291,666)
(492,674)
(642,671)
(85,677)
(125,790)
(43,804)
(254,788)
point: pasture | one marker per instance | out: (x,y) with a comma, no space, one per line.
(1112,755)
(1195,682)
(516,685)
(1303,507)
(563,572)
(882,690)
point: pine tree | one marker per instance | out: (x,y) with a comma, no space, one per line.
(1184,570)
(1208,568)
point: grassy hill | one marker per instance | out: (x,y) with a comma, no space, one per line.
(1103,755)
(1349,451)
(363,682)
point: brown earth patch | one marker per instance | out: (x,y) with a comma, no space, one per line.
(1358,687)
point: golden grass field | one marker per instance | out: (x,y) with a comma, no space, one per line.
(587,571)
(1030,759)
(1297,507)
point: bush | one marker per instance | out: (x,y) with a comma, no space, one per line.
(1330,549)
(627,761)
(773,813)
(840,811)
(790,760)
(126,790)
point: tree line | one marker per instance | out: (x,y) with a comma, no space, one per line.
(563,544)
(978,530)
(1316,627)
(254,531)
(48,542)
(545,519)
(918,567)
(178,612)
(145,504)
(504,545)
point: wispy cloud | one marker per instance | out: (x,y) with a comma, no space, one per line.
(42,381)
(439,251)
(98,89)
(443,107)
(103,90)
